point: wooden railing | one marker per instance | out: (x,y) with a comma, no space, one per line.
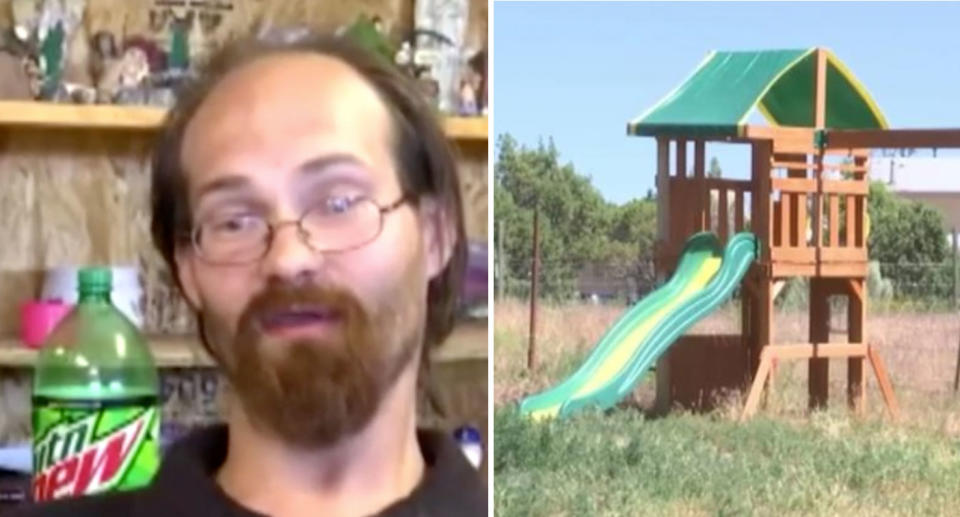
(818,210)
(709,204)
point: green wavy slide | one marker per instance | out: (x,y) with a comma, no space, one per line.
(705,277)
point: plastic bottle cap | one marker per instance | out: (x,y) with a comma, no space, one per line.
(95,279)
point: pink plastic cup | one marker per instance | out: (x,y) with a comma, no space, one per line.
(38,319)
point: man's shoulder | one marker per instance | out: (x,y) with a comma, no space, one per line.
(120,503)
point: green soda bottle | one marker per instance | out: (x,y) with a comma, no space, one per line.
(96,415)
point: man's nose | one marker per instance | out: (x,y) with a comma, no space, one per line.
(290,256)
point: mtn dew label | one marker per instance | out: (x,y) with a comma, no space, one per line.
(90,447)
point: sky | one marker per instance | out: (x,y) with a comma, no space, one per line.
(577,72)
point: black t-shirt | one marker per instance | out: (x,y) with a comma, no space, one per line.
(185,485)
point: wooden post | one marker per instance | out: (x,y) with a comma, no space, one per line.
(956,270)
(819,368)
(681,160)
(956,371)
(956,288)
(534,279)
(664,238)
(501,260)
(702,210)
(856,321)
(820,89)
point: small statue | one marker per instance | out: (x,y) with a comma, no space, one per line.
(467,101)
(123,79)
(477,75)
(103,53)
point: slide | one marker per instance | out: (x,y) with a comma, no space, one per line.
(705,277)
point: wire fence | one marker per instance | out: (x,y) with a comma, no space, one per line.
(891,287)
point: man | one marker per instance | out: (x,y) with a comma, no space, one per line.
(307,200)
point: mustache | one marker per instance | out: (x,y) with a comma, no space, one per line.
(281,296)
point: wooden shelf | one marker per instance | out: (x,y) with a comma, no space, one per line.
(468,342)
(49,115)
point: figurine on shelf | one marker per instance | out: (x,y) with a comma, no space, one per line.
(477,74)
(467,101)
(123,79)
(103,52)
(179,56)
(447,18)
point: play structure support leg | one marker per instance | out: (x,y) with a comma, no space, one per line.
(886,389)
(856,320)
(819,368)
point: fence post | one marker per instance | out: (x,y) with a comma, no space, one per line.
(956,271)
(501,258)
(535,267)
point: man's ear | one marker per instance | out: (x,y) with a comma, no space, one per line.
(185,273)
(439,235)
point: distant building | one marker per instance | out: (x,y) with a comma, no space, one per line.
(935,181)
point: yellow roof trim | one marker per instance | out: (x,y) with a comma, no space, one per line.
(859,87)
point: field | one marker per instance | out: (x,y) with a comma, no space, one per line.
(785,462)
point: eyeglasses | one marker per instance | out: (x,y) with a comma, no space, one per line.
(339,224)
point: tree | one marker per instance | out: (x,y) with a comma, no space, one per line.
(574,217)
(908,238)
(633,234)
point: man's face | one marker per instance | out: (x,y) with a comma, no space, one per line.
(310,340)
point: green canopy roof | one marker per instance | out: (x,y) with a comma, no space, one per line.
(717,98)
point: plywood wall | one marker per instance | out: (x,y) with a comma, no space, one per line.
(81,197)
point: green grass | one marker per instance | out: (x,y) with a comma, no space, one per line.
(621,464)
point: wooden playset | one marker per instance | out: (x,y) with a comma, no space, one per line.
(806,202)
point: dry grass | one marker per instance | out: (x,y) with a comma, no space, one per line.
(784,462)
(920,351)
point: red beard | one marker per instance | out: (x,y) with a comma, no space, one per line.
(312,392)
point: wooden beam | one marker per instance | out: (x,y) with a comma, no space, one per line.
(785,220)
(723,215)
(818,367)
(756,387)
(681,161)
(663,188)
(820,89)
(838,254)
(699,155)
(860,211)
(699,172)
(796,255)
(823,270)
(818,350)
(886,389)
(760,161)
(665,234)
(857,187)
(833,223)
(784,139)
(892,138)
(738,225)
(856,323)
(794,184)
